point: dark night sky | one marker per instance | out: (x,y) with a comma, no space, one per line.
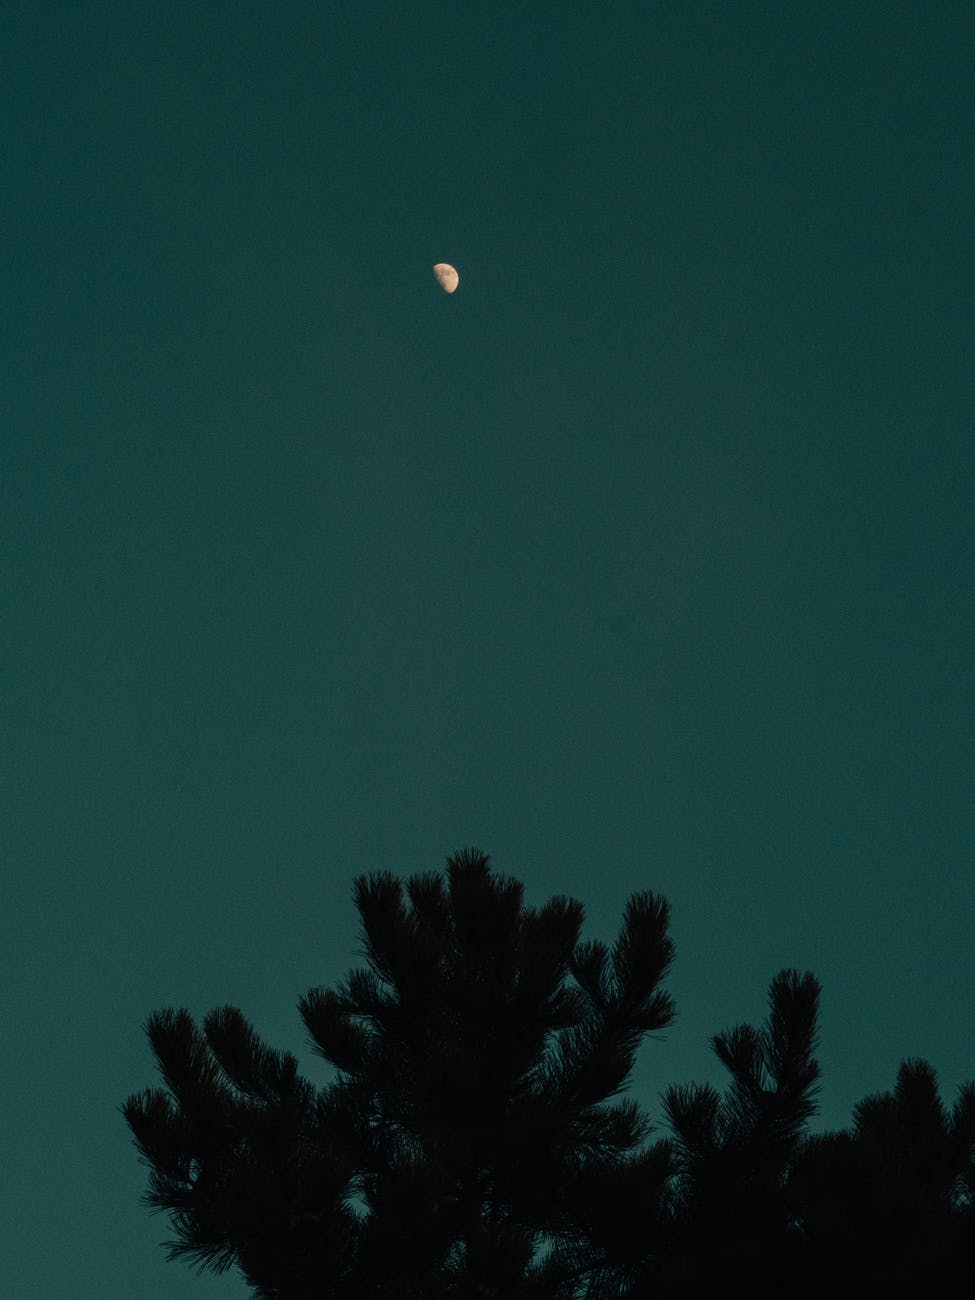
(643,561)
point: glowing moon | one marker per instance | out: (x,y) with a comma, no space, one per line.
(447,277)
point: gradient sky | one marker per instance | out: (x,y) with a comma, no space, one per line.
(643,561)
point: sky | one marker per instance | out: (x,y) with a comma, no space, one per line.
(643,561)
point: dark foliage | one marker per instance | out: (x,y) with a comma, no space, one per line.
(471,1146)
(728,1206)
(889,1206)
(477,1057)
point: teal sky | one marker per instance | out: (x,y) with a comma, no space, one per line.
(643,561)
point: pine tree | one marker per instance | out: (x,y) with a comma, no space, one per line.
(728,1213)
(888,1206)
(477,1058)
(756,1204)
(473,1143)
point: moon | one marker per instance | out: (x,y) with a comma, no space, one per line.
(447,277)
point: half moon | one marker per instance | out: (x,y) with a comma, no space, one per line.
(447,277)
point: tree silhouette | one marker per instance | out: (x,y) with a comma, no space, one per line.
(889,1207)
(470,1112)
(884,1209)
(470,1144)
(728,1212)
